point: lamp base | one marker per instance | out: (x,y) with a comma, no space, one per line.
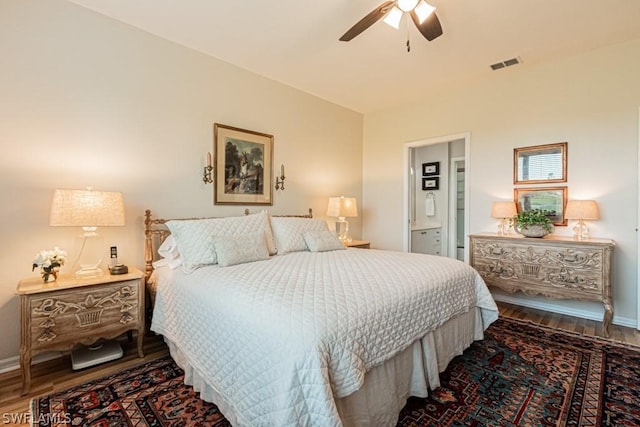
(342,230)
(581,231)
(90,247)
(86,273)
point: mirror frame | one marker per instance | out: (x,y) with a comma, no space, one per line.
(517,152)
(559,192)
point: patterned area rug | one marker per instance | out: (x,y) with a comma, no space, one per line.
(519,375)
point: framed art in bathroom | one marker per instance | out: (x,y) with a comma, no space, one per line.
(431,169)
(431,183)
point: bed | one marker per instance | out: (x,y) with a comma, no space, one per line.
(274,321)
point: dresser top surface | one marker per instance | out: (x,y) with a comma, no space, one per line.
(550,238)
(35,285)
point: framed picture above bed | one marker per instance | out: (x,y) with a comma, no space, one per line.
(243,166)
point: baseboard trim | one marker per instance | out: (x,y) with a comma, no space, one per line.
(13,363)
(575,312)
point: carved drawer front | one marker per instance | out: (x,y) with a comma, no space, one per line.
(83,312)
(566,269)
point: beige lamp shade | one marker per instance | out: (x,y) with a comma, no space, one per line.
(342,207)
(86,208)
(582,209)
(503,210)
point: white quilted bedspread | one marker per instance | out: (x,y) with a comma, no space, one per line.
(280,338)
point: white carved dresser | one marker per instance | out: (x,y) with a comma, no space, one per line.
(61,314)
(553,266)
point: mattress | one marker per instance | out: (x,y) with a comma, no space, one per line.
(286,341)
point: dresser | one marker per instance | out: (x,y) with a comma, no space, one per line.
(56,316)
(553,266)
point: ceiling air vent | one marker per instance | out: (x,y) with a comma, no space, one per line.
(505,63)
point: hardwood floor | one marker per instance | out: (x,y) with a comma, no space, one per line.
(54,375)
(569,323)
(57,374)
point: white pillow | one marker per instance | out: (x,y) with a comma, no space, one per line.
(322,241)
(194,238)
(232,250)
(288,232)
(168,250)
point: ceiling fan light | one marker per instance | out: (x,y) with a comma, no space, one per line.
(407,5)
(423,10)
(393,17)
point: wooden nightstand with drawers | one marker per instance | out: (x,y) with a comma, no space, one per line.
(57,316)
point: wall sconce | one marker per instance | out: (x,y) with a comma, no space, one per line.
(207,174)
(280,179)
(505,211)
(581,210)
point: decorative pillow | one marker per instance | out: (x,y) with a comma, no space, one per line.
(194,238)
(288,232)
(322,241)
(232,250)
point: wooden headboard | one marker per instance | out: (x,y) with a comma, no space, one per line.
(155,231)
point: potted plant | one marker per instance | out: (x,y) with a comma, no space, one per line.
(533,223)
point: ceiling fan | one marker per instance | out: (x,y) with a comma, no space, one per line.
(421,12)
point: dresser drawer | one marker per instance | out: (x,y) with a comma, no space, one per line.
(85,312)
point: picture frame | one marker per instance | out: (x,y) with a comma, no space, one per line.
(243,162)
(432,183)
(540,164)
(553,199)
(431,169)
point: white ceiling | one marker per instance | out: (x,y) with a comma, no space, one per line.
(296,41)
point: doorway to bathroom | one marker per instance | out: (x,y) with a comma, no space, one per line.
(436,196)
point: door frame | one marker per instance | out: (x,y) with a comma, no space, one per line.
(453,205)
(406,161)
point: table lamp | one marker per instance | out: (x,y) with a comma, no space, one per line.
(88,209)
(582,210)
(505,211)
(342,207)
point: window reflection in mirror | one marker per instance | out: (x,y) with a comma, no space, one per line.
(540,164)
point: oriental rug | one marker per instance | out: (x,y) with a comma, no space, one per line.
(521,374)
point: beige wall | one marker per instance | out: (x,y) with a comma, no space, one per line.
(591,101)
(88,101)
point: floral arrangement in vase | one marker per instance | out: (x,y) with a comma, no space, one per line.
(49,262)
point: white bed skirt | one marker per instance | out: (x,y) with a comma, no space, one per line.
(386,387)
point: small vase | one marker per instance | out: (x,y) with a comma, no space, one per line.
(49,274)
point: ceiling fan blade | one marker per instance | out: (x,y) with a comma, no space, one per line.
(430,27)
(367,21)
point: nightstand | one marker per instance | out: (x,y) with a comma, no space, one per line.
(58,315)
(362,244)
